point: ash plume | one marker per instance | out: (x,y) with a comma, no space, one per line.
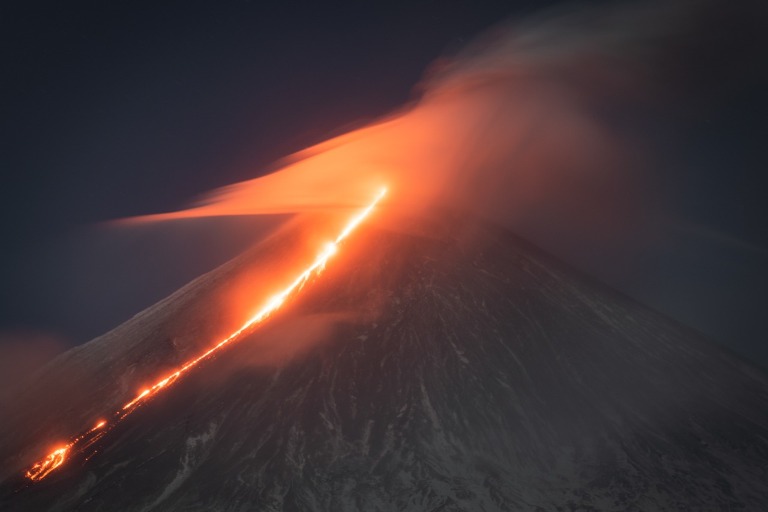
(547,125)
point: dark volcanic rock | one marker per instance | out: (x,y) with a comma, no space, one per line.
(463,370)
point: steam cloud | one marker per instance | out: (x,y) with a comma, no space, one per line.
(544,125)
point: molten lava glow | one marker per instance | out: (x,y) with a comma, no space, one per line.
(53,460)
(57,457)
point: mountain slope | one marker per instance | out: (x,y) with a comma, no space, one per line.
(459,370)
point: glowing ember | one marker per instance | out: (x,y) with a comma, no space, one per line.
(57,457)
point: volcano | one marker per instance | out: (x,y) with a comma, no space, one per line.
(450,367)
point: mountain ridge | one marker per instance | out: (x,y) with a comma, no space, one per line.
(454,367)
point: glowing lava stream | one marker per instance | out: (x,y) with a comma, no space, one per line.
(57,457)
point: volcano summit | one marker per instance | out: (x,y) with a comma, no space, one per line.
(454,367)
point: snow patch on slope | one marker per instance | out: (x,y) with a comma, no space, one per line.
(195,451)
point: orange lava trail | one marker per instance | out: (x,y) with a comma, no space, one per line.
(57,457)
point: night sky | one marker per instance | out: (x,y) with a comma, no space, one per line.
(110,110)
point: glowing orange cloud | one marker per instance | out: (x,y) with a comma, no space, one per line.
(58,456)
(419,147)
(508,131)
(506,150)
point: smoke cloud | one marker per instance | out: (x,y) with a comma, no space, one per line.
(22,352)
(525,126)
(564,127)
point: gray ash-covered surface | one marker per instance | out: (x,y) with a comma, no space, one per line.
(464,370)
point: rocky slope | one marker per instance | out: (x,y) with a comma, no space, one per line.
(459,370)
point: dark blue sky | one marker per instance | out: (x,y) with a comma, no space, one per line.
(116,109)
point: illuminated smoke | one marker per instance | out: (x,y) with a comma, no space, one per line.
(59,455)
(506,129)
(553,126)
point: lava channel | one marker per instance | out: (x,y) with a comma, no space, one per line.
(58,456)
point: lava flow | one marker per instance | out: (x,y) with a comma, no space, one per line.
(57,457)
